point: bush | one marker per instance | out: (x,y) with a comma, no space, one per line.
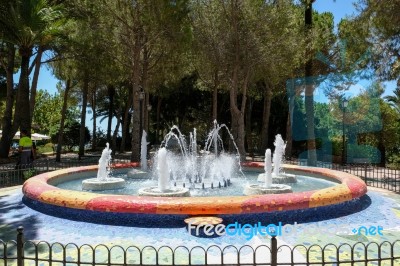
(28,173)
(48,147)
(71,135)
(354,151)
(394,161)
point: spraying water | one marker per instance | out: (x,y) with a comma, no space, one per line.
(267,187)
(268,169)
(213,168)
(104,164)
(162,168)
(143,152)
(279,152)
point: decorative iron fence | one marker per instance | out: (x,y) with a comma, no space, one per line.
(21,253)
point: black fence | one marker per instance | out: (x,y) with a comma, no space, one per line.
(21,253)
(12,174)
(374,176)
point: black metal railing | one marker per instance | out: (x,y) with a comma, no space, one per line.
(12,175)
(374,176)
(21,253)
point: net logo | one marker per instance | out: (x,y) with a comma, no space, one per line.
(251,230)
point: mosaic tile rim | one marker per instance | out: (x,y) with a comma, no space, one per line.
(349,187)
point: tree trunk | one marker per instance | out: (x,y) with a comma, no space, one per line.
(215,97)
(22,117)
(289,140)
(94,132)
(159,101)
(62,121)
(125,125)
(289,129)
(249,136)
(266,116)
(7,134)
(309,93)
(111,93)
(147,106)
(238,130)
(382,149)
(145,73)
(82,132)
(311,143)
(136,119)
(135,140)
(237,115)
(35,78)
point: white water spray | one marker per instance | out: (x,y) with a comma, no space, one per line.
(163,172)
(104,164)
(279,152)
(143,152)
(268,169)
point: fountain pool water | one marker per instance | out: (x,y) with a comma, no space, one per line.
(238,183)
(103,181)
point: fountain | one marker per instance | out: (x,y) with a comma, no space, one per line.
(143,152)
(267,187)
(163,189)
(278,176)
(103,181)
(213,168)
(140,173)
(182,168)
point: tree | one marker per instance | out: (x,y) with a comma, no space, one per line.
(25,24)
(72,135)
(207,47)
(8,64)
(148,34)
(376,30)
(394,100)
(48,112)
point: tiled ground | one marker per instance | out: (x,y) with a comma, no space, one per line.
(378,208)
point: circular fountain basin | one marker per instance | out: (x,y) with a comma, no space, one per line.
(173,192)
(107,184)
(42,188)
(256,189)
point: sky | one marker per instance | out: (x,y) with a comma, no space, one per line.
(339,8)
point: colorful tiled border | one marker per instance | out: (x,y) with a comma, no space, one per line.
(349,187)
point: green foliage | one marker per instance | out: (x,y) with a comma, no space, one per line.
(394,100)
(47,114)
(48,147)
(376,28)
(71,135)
(29,22)
(28,173)
(186,106)
(369,153)
(394,160)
